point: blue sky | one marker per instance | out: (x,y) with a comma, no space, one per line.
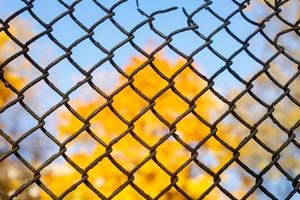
(64,75)
(86,54)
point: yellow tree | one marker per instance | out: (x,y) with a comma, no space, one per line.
(134,130)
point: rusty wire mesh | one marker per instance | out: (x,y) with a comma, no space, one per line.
(191,25)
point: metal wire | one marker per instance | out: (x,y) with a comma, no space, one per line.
(191,26)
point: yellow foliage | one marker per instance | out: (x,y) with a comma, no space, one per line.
(128,151)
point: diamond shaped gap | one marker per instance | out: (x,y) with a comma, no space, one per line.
(287,113)
(252,11)
(24,27)
(201,19)
(84,149)
(107,78)
(235,26)
(86,54)
(47,11)
(263,83)
(227,85)
(20,72)
(9,10)
(290,48)
(121,15)
(191,129)
(283,69)
(237,181)
(232,135)
(123,103)
(277,183)
(85,100)
(61,123)
(64,75)
(207,62)
(189,83)
(213,154)
(106,125)
(149,128)
(289,160)
(19,121)
(44,51)
(53,178)
(225,10)
(128,58)
(146,39)
(39,152)
(14,174)
(128,152)
(149,82)
(258,48)
(103,35)
(106,177)
(34,98)
(172,154)
(275,25)
(66,31)
(289,11)
(245,66)
(257,160)
(249,109)
(225,44)
(170,111)
(192,177)
(8,47)
(168,62)
(96,13)
(148,176)
(167,26)
(210,107)
(271,135)
(188,37)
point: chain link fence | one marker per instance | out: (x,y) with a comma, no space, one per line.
(288,94)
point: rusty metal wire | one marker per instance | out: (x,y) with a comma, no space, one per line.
(191,25)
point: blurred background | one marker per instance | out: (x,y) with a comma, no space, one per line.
(82,110)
